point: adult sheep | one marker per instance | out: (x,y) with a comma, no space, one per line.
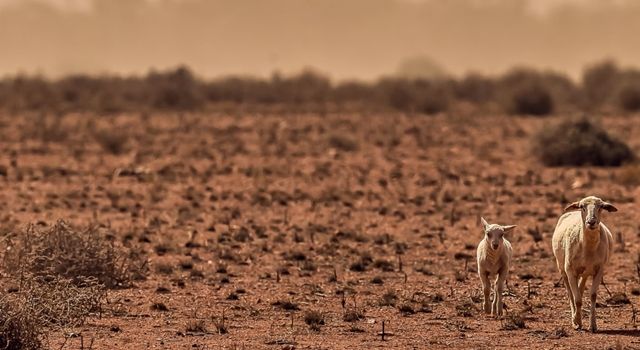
(582,246)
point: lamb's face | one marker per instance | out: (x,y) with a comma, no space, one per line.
(590,209)
(494,234)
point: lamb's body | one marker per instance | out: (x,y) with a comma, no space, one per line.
(581,252)
(492,263)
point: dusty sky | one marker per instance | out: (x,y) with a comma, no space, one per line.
(346,39)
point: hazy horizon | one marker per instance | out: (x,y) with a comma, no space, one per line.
(357,39)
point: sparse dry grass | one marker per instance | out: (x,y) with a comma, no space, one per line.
(42,305)
(79,255)
(314,319)
(58,277)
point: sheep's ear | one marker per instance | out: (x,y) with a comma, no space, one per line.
(609,207)
(484,222)
(508,228)
(572,206)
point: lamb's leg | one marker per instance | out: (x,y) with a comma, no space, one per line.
(577,313)
(595,283)
(502,276)
(486,289)
(494,303)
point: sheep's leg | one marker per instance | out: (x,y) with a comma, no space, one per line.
(595,283)
(568,287)
(486,289)
(502,276)
(581,286)
(577,314)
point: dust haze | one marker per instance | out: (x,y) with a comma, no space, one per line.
(359,39)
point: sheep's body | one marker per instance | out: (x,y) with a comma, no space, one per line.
(581,252)
(494,263)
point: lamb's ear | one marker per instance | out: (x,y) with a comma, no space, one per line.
(484,222)
(609,207)
(572,206)
(508,228)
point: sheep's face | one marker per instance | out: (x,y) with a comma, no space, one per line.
(590,209)
(494,234)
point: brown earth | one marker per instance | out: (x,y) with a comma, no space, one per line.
(246,215)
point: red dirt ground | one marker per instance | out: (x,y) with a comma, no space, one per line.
(279,202)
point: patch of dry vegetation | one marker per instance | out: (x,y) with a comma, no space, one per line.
(579,142)
(65,252)
(57,277)
(520,91)
(40,306)
(528,93)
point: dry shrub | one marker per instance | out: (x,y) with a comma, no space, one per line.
(599,82)
(532,99)
(604,83)
(42,305)
(475,88)
(343,143)
(196,326)
(432,96)
(352,91)
(406,309)
(112,141)
(19,329)
(28,93)
(578,142)
(527,92)
(286,305)
(389,298)
(618,299)
(629,97)
(58,276)
(353,315)
(175,90)
(314,320)
(465,309)
(78,255)
(513,322)
(397,94)
(421,95)
(307,87)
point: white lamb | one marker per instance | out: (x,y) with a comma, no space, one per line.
(494,259)
(582,246)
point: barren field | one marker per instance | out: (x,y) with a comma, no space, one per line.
(308,231)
